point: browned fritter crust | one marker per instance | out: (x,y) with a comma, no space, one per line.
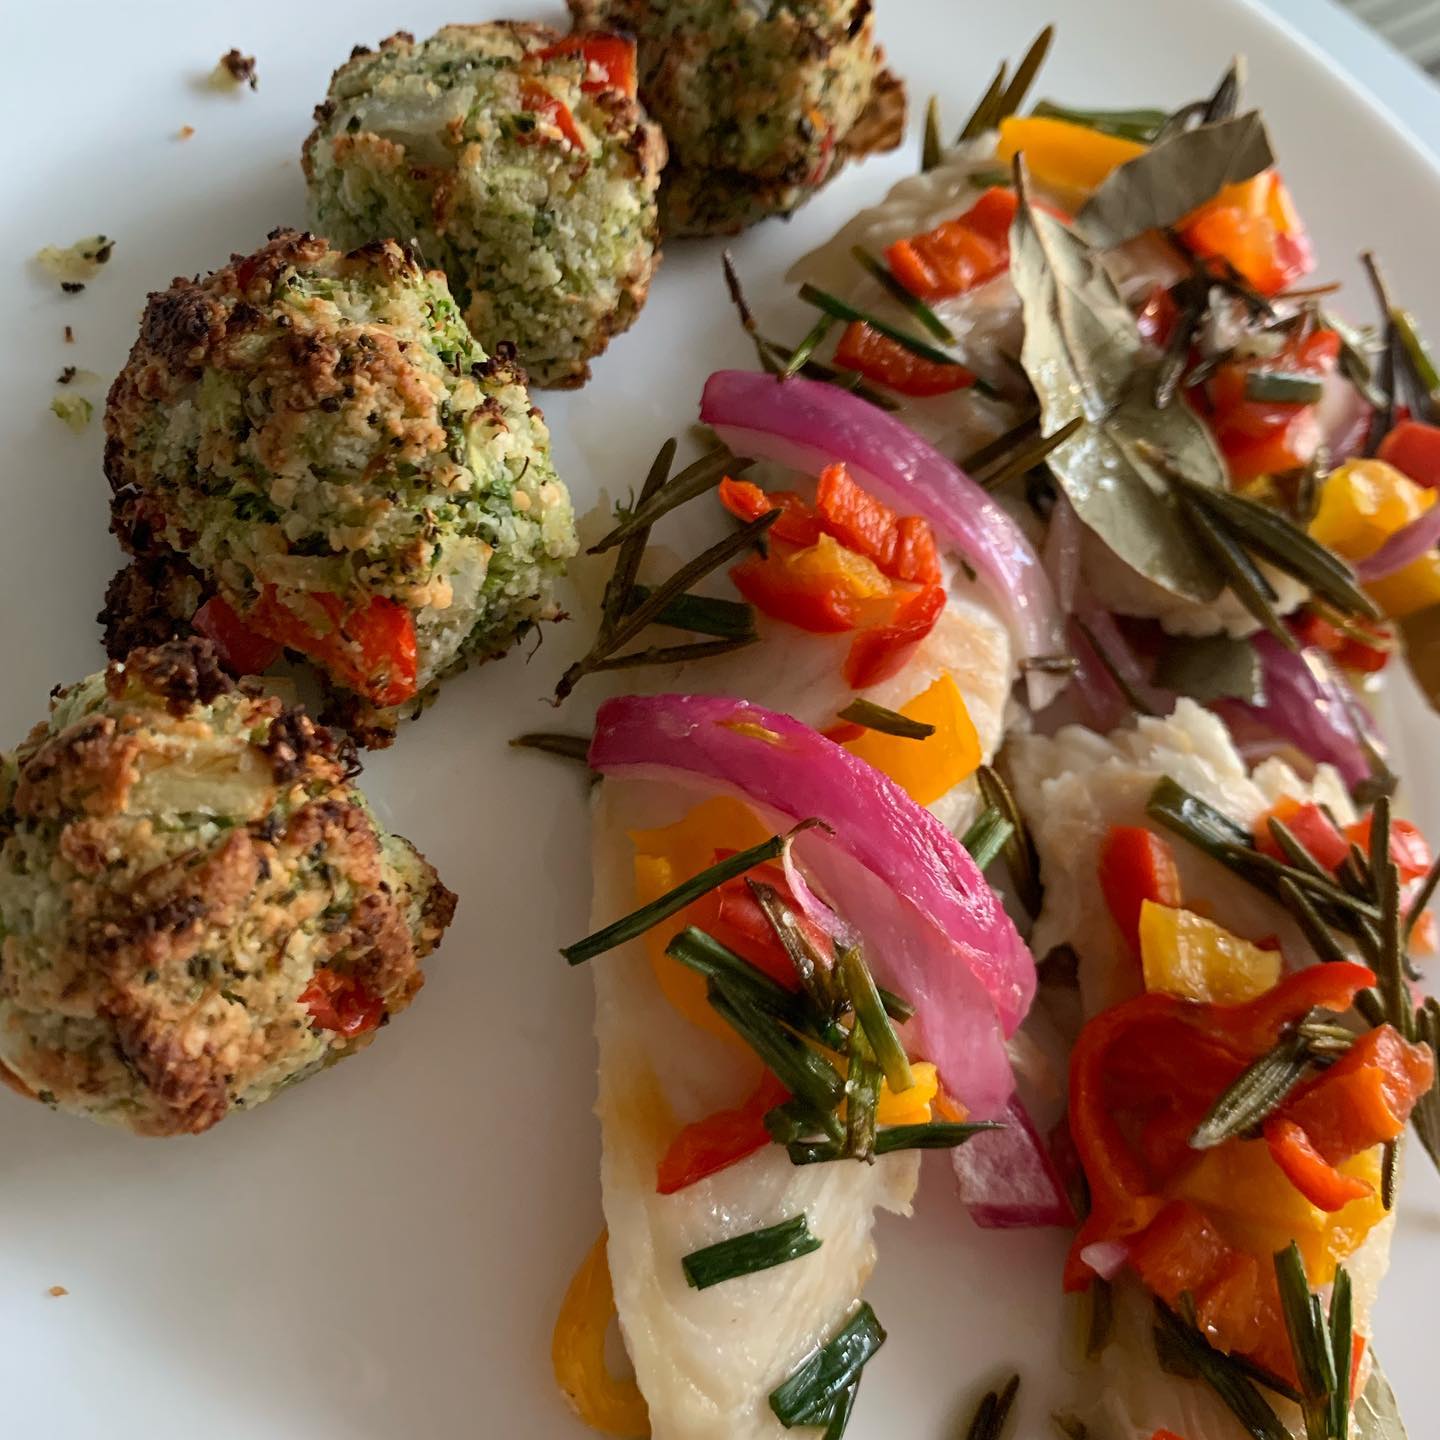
(169,991)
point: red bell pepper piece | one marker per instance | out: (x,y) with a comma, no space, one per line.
(822,605)
(878,653)
(609,60)
(797,524)
(549,110)
(719,1140)
(372,649)
(917,557)
(1308,1170)
(1179,1251)
(1413,448)
(959,254)
(1254,226)
(1315,631)
(242,651)
(856,518)
(343,1003)
(1310,825)
(1158,317)
(1136,865)
(1409,848)
(877,357)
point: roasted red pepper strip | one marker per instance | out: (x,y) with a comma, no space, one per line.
(797,524)
(1255,226)
(1316,632)
(856,518)
(877,357)
(343,1003)
(609,60)
(819,604)
(242,651)
(879,652)
(1310,825)
(1136,865)
(1413,448)
(719,1140)
(1308,1170)
(371,649)
(959,254)
(1409,848)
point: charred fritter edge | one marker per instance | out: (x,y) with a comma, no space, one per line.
(153,953)
(814,67)
(556,346)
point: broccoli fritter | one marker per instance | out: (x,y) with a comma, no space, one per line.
(197,907)
(320,438)
(760,105)
(520,163)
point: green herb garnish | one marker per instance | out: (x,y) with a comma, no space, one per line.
(568,747)
(932,148)
(1141,126)
(816,336)
(1021,856)
(702,614)
(887,722)
(1280,386)
(993,1411)
(750,1253)
(693,481)
(986,837)
(862,1095)
(811,1394)
(870,1015)
(1321,1345)
(916,306)
(1255,1093)
(842,310)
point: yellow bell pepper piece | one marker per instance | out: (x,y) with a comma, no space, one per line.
(1060,156)
(1259,1211)
(926,769)
(666,857)
(1363,503)
(828,559)
(577,1353)
(1408,591)
(912,1106)
(1185,954)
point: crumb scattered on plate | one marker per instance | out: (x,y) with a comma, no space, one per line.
(233,70)
(69,334)
(184,132)
(57,1291)
(74,410)
(72,265)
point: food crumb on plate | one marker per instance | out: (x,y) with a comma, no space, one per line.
(56,1291)
(69,334)
(74,410)
(184,132)
(72,265)
(233,70)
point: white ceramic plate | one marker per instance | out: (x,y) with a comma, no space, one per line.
(381,1254)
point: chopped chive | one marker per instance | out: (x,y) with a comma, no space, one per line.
(568,747)
(814,338)
(810,1394)
(702,614)
(1275,385)
(671,654)
(672,902)
(862,1096)
(888,722)
(811,965)
(704,954)
(1255,1093)
(1002,445)
(1139,125)
(987,836)
(870,1015)
(842,310)
(804,1072)
(916,306)
(843,379)
(896,1006)
(931,1135)
(932,148)
(750,1253)
(694,480)
(840,1412)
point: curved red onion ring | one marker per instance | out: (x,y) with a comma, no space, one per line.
(808,424)
(1307,705)
(1106,1258)
(1061,552)
(815,910)
(1407,544)
(934,929)
(1007,1178)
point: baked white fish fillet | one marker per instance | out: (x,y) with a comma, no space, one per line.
(707,1361)
(1071,788)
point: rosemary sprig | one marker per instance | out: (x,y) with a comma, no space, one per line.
(1025,72)
(1025,456)
(916,306)
(987,837)
(750,1253)
(1138,125)
(694,480)
(816,336)
(977,461)
(1321,1346)
(985,115)
(932,148)
(1021,856)
(1426,1115)
(1410,362)
(702,614)
(568,747)
(930,1135)
(765,352)
(993,1411)
(840,309)
(811,1394)
(1255,1093)
(674,901)
(887,722)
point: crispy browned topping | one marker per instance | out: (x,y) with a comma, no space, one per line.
(240,68)
(183,673)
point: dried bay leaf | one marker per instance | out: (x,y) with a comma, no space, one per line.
(1212,667)
(1083,354)
(1174,177)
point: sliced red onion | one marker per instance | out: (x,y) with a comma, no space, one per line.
(1344,416)
(808,424)
(1107,1258)
(815,910)
(1405,546)
(1062,553)
(1307,705)
(1008,1180)
(934,930)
